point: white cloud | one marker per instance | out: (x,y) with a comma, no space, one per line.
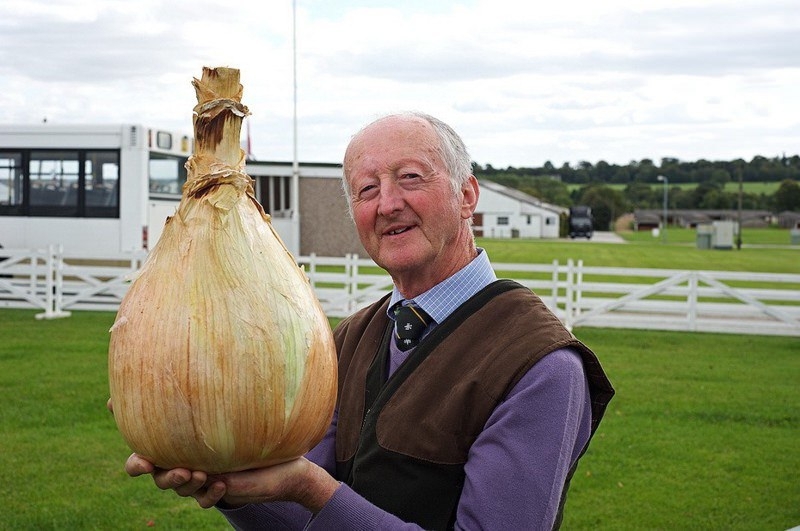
(563,81)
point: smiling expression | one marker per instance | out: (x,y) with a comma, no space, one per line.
(408,217)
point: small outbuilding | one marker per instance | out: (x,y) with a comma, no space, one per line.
(647,219)
(504,212)
(789,220)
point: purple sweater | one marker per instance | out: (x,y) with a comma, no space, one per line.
(515,471)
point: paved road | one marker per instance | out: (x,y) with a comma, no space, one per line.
(602,237)
(607,237)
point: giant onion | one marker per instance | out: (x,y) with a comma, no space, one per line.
(220,357)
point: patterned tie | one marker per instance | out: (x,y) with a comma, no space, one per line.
(410,322)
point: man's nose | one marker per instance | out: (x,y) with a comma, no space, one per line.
(390,199)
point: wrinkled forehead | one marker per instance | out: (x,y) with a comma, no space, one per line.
(391,139)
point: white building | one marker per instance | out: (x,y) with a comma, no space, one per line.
(504,212)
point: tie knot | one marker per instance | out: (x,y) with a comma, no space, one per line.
(410,322)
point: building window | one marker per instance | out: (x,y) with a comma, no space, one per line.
(274,194)
(502,220)
(529,219)
(549,221)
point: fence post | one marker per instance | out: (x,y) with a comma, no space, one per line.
(33,280)
(53,284)
(579,289)
(569,318)
(49,283)
(352,282)
(58,303)
(554,280)
(692,300)
(312,269)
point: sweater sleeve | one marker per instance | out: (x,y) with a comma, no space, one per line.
(515,471)
(518,465)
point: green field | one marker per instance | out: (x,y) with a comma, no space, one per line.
(760,252)
(756,188)
(702,433)
(756,238)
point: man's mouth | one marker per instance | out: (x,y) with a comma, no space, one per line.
(395,232)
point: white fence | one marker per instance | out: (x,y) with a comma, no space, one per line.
(56,284)
(663,299)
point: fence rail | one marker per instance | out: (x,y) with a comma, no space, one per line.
(664,299)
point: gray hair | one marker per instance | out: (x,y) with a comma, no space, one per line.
(454,153)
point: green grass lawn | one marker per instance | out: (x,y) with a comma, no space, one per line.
(642,250)
(62,457)
(703,433)
(751,237)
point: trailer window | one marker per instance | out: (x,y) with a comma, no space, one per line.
(54,182)
(167,174)
(10,180)
(101,182)
(60,183)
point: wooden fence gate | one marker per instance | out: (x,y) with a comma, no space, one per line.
(659,299)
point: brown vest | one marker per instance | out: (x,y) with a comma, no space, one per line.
(402,443)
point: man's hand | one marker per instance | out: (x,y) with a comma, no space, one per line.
(184,482)
(298,480)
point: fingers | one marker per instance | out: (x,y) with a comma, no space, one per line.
(179,479)
(185,483)
(137,466)
(192,484)
(211,495)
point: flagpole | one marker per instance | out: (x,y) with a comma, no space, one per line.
(295,165)
(295,191)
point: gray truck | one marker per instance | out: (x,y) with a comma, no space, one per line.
(580,222)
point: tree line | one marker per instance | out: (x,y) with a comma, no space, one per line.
(550,184)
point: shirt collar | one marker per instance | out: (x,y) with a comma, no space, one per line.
(442,299)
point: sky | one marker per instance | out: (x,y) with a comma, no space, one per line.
(523,82)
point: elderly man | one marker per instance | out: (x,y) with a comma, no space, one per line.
(471,412)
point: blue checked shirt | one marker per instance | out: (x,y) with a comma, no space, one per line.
(443,299)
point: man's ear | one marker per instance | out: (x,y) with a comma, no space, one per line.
(469,201)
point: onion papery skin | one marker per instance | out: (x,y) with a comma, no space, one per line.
(221,358)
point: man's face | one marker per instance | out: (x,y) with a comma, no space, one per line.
(408,217)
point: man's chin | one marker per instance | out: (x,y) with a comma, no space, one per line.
(398,261)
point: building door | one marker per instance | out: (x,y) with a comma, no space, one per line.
(477,224)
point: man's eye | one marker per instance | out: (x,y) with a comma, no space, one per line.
(410,176)
(366,191)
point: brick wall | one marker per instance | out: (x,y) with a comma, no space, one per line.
(325,226)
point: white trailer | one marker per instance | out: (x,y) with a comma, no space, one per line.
(96,190)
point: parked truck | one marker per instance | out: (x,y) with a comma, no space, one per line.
(580,222)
